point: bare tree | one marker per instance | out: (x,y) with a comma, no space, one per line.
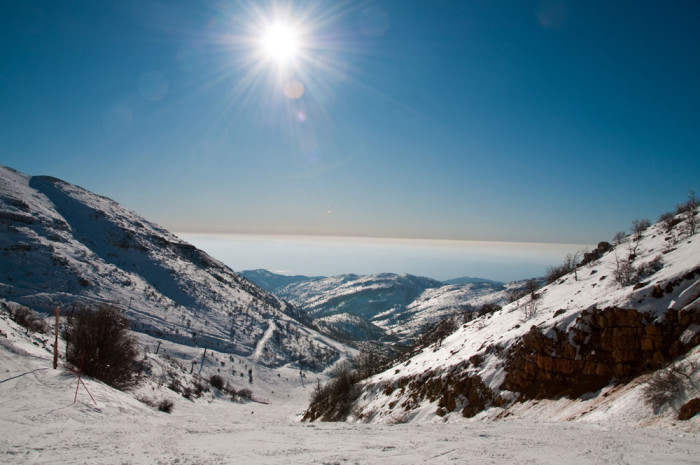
(531,307)
(619,237)
(688,210)
(571,262)
(668,219)
(531,287)
(624,271)
(638,228)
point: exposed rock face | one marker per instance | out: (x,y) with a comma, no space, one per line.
(602,345)
(689,409)
(454,390)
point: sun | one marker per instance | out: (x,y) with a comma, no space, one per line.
(280,43)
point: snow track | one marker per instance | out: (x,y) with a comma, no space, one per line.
(263,340)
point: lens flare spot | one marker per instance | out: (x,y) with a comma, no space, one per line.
(301,116)
(152,86)
(374,21)
(293,89)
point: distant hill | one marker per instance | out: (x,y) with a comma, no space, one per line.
(468,280)
(273,282)
(390,308)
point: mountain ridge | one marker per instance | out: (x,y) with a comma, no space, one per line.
(62,244)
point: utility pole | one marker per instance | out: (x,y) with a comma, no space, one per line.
(201,365)
(55,344)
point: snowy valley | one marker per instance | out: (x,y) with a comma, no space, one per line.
(227,369)
(388,308)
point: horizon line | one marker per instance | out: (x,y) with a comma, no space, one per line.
(359,238)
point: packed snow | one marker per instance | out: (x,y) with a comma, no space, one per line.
(40,423)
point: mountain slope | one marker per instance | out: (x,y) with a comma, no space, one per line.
(363,296)
(436,304)
(358,308)
(579,348)
(61,245)
(386,307)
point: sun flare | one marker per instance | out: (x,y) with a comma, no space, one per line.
(280,42)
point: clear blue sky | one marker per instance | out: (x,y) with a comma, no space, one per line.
(540,121)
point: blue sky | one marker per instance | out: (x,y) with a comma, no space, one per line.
(538,121)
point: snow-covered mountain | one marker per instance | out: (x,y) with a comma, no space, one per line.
(394,308)
(363,296)
(469,280)
(61,244)
(593,345)
(274,282)
(436,304)
(359,299)
(348,327)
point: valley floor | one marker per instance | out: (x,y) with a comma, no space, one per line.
(40,424)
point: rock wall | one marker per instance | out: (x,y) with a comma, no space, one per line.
(453,390)
(602,346)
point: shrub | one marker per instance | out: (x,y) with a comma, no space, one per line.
(668,385)
(625,273)
(649,268)
(217,381)
(333,400)
(199,388)
(245,394)
(530,308)
(28,319)
(669,220)
(369,361)
(488,309)
(166,405)
(638,228)
(553,273)
(99,341)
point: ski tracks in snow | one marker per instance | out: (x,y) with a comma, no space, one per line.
(263,340)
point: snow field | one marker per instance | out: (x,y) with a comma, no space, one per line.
(40,424)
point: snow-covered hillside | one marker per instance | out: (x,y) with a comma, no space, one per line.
(436,304)
(41,424)
(347,327)
(582,347)
(363,296)
(402,306)
(61,244)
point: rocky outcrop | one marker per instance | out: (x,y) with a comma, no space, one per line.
(602,346)
(453,390)
(689,409)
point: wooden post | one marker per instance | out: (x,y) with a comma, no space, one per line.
(55,344)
